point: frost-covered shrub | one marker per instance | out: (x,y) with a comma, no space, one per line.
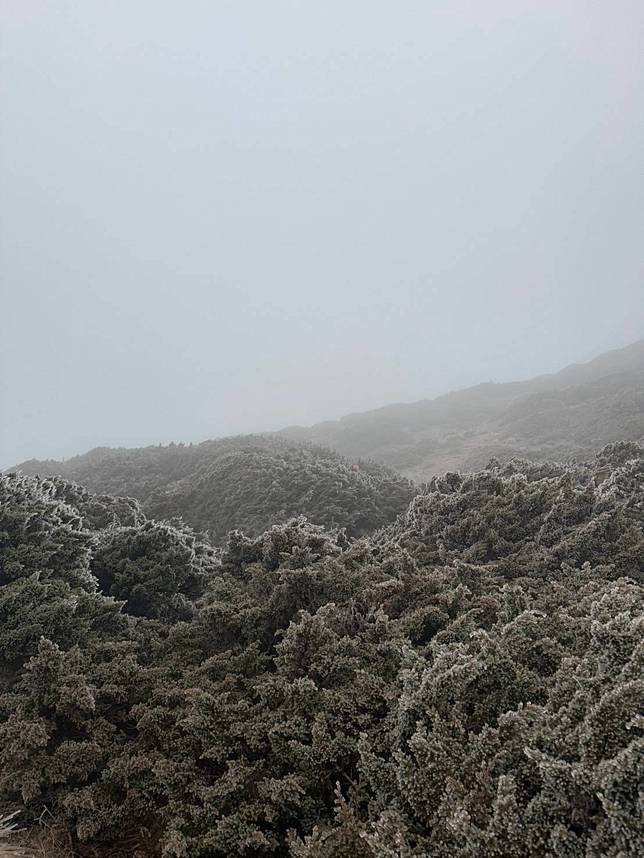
(466,682)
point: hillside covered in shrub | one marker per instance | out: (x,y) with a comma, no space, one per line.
(465,682)
(571,413)
(248,482)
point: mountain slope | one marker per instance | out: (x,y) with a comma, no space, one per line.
(247,482)
(466,682)
(572,413)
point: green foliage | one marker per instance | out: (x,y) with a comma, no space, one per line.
(465,682)
(39,533)
(158,570)
(248,482)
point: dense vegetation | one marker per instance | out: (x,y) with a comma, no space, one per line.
(246,482)
(572,413)
(465,682)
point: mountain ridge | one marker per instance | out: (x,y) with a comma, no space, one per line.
(568,414)
(463,429)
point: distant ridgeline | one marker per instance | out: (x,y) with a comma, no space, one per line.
(254,481)
(248,482)
(467,681)
(572,413)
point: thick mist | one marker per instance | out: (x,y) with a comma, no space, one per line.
(223,217)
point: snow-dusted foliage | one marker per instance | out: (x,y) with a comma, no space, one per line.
(249,482)
(466,682)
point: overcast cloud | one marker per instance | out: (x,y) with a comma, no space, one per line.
(223,217)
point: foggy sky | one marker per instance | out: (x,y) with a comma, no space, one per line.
(222,217)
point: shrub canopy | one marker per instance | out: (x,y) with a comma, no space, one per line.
(464,682)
